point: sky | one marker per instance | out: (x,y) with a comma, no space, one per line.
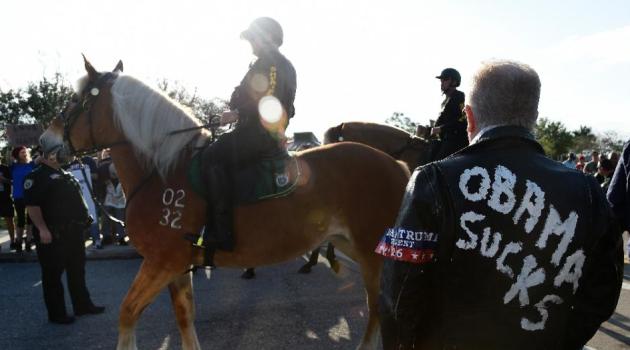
(355,60)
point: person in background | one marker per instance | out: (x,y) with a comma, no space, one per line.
(614,158)
(21,167)
(605,170)
(580,163)
(82,172)
(115,205)
(450,127)
(570,161)
(100,189)
(498,246)
(591,167)
(6,203)
(54,201)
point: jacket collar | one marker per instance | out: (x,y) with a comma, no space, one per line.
(507,131)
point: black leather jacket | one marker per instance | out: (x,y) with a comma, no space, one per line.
(271,74)
(499,247)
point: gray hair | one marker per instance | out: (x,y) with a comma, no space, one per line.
(505,93)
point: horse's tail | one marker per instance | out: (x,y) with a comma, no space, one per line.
(333,134)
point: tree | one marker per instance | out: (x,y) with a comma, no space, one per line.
(39,102)
(202,108)
(610,141)
(584,139)
(554,137)
(399,120)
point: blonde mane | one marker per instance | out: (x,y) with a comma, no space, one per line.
(146,117)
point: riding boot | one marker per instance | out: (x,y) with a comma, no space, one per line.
(218,232)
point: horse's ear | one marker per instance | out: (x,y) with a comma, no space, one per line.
(92,73)
(119,67)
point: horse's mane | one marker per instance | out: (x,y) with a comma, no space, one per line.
(147,116)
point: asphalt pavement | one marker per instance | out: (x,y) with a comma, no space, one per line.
(280,309)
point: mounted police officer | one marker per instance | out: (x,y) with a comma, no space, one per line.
(60,216)
(450,126)
(261,106)
(498,246)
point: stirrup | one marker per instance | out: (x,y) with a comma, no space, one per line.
(198,243)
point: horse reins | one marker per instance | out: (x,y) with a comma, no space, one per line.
(90,93)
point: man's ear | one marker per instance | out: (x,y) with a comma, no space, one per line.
(472,123)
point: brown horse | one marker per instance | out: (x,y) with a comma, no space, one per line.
(396,142)
(347,193)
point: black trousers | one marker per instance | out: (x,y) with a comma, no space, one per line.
(450,144)
(239,147)
(64,254)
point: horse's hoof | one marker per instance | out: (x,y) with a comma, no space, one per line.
(305,269)
(248,274)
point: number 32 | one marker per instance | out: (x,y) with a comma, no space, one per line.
(172,216)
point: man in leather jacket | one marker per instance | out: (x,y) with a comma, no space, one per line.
(261,106)
(497,246)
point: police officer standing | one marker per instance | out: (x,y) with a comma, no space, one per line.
(261,105)
(498,246)
(60,216)
(450,126)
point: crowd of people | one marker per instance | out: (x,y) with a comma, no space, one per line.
(58,208)
(599,165)
(102,186)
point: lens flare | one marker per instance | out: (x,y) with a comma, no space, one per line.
(270,109)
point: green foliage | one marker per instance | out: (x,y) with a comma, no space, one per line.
(584,139)
(202,108)
(39,102)
(554,137)
(401,121)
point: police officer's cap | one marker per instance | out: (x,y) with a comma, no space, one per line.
(451,73)
(266,29)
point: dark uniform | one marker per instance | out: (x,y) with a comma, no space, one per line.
(452,122)
(271,74)
(499,247)
(253,138)
(6,203)
(58,195)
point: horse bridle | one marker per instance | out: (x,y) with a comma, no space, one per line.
(90,94)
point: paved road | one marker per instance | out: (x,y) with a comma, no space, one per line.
(280,309)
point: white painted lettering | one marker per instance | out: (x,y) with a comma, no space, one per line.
(533,202)
(470,216)
(504,181)
(556,226)
(544,313)
(571,271)
(526,279)
(511,248)
(491,251)
(484,185)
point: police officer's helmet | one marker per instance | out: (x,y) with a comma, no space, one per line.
(265,29)
(451,73)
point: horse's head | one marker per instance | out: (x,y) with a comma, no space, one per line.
(86,122)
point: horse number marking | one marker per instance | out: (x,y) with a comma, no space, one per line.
(171,217)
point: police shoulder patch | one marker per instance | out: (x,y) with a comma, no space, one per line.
(28,183)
